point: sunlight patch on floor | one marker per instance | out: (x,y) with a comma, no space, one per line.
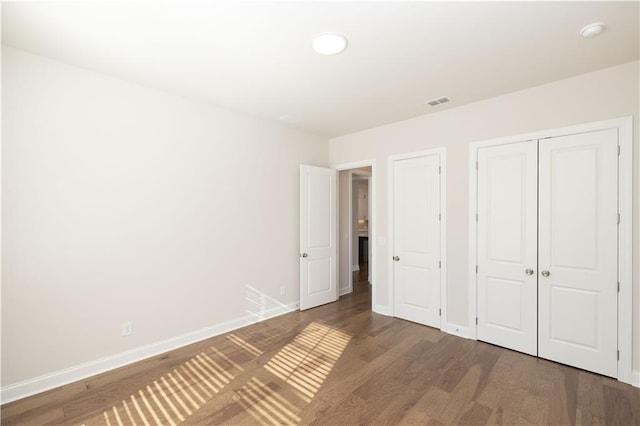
(174,396)
(243,344)
(265,405)
(307,361)
(303,364)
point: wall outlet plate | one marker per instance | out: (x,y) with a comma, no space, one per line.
(127,328)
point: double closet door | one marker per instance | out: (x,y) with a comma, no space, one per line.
(548,247)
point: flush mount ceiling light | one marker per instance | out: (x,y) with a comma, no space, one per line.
(592,30)
(329,43)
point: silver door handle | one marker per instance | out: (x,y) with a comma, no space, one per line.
(529,271)
(396,258)
(545,273)
(304,255)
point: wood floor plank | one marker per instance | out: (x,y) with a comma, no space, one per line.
(52,398)
(347,412)
(389,406)
(37,417)
(338,364)
(477,414)
(336,391)
(618,409)
(428,408)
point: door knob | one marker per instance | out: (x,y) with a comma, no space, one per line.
(396,258)
(529,271)
(545,273)
(304,255)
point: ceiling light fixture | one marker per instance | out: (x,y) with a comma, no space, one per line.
(592,30)
(329,43)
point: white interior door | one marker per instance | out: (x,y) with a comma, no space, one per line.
(318,247)
(507,246)
(416,244)
(578,250)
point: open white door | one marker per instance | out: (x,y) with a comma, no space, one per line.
(578,281)
(318,246)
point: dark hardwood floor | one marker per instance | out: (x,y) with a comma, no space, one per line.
(337,364)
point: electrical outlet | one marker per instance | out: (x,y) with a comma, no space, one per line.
(127,328)
(282,290)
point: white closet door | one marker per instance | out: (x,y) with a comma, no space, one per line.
(416,233)
(578,250)
(507,246)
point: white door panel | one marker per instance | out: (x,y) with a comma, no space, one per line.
(507,245)
(578,247)
(318,247)
(416,228)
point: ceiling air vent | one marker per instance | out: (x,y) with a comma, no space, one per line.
(438,101)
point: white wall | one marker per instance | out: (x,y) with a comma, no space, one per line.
(601,95)
(124,203)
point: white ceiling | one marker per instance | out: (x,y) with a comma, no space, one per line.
(256,57)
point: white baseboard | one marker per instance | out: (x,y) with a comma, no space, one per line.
(635,378)
(63,377)
(343,291)
(355,268)
(457,330)
(383,310)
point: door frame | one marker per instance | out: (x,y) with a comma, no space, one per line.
(372,223)
(442,153)
(624,125)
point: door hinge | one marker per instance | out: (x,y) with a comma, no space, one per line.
(440,217)
(618,150)
(618,218)
(618,286)
(439,264)
(476,217)
(476,320)
(439,312)
(476,269)
(439,170)
(476,165)
(618,354)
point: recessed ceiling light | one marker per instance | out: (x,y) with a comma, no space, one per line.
(329,43)
(592,30)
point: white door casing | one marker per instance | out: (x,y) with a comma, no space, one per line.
(318,245)
(577,280)
(416,239)
(507,245)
